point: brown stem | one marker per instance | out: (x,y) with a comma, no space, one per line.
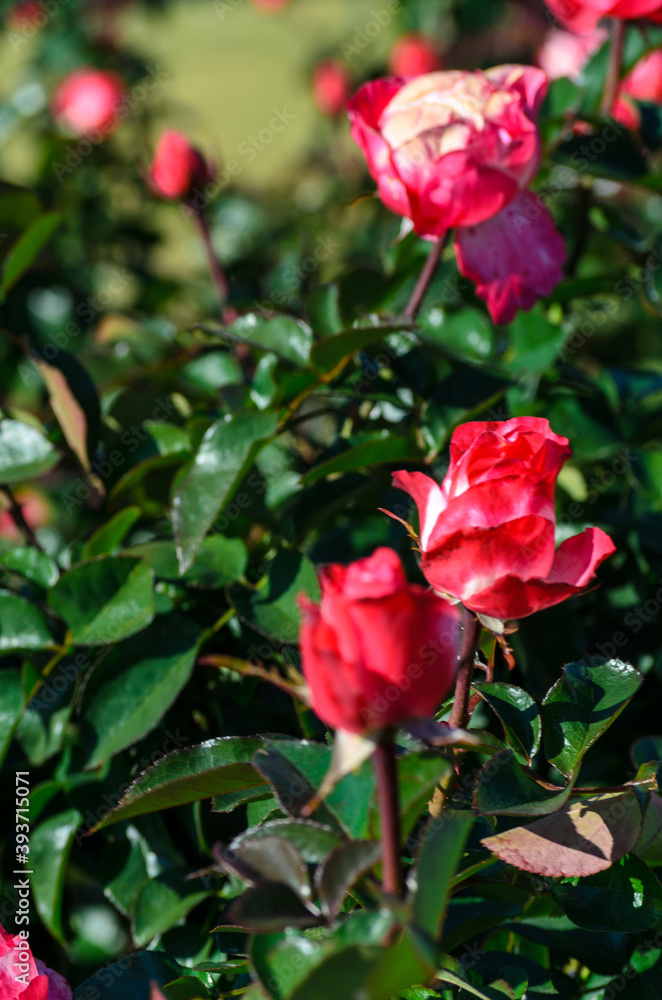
(427,274)
(386,771)
(18,518)
(614,68)
(470,636)
(218,274)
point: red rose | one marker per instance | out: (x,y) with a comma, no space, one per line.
(583,15)
(178,167)
(413,55)
(643,83)
(487,533)
(378,650)
(565,54)
(458,149)
(88,101)
(331,85)
(22,977)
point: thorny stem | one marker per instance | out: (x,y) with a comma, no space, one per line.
(614,69)
(470,635)
(218,274)
(427,274)
(386,771)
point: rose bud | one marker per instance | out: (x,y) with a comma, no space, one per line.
(22,977)
(459,149)
(643,83)
(270,6)
(377,650)
(27,16)
(413,55)
(331,87)
(88,101)
(582,16)
(178,168)
(565,55)
(487,533)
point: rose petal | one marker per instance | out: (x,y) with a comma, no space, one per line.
(365,109)
(515,258)
(427,496)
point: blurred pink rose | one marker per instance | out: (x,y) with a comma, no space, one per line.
(643,83)
(270,6)
(178,167)
(36,511)
(582,16)
(88,101)
(331,87)
(26,16)
(565,54)
(413,55)
(455,150)
(21,978)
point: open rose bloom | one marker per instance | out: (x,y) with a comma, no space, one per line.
(378,650)
(487,533)
(23,978)
(458,150)
(582,16)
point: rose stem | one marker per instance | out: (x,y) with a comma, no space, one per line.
(470,636)
(18,518)
(427,274)
(218,274)
(386,771)
(614,69)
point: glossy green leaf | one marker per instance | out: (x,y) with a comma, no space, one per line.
(24,452)
(285,336)
(626,897)
(330,351)
(274,859)
(74,401)
(50,845)
(219,561)
(132,975)
(505,788)
(443,842)
(581,706)
(105,600)
(11,707)
(26,250)
(273,609)
(22,625)
(269,907)
(382,451)
(314,841)
(199,772)
(135,684)
(518,714)
(110,536)
(32,564)
(323,311)
(342,868)
(163,901)
(226,452)
(467,334)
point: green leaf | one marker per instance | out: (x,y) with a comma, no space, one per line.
(74,401)
(162,902)
(314,841)
(341,869)
(327,353)
(219,561)
(418,776)
(24,452)
(212,768)
(518,714)
(136,683)
(274,859)
(383,451)
(50,845)
(585,837)
(110,535)
(466,334)
(131,976)
(323,310)
(504,788)
(105,600)
(273,610)
(11,707)
(443,847)
(535,344)
(289,338)
(581,706)
(626,897)
(21,626)
(270,907)
(226,452)
(26,250)
(32,564)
